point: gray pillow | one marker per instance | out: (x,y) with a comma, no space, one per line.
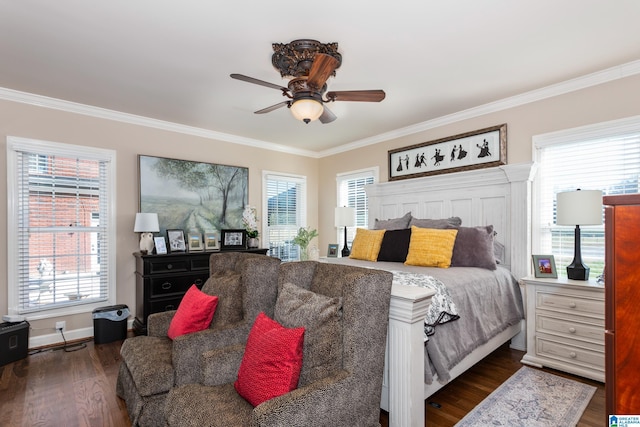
(227,286)
(321,317)
(393,223)
(453,222)
(474,248)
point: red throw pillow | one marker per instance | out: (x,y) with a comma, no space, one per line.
(194,313)
(272,361)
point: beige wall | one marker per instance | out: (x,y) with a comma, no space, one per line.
(128,141)
(596,104)
(601,103)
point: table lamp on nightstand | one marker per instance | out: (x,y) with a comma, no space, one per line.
(580,207)
(345,217)
(146,224)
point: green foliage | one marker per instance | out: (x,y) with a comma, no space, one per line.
(305,236)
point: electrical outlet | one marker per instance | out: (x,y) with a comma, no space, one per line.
(61,325)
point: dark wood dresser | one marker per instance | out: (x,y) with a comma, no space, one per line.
(162,280)
(622,309)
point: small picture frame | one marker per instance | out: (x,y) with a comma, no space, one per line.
(161,245)
(544,266)
(195,242)
(332,250)
(233,239)
(211,242)
(176,241)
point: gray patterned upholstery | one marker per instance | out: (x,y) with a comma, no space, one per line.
(245,284)
(348,396)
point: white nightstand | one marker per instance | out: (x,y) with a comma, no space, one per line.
(565,325)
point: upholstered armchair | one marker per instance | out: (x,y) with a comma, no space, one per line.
(340,381)
(245,284)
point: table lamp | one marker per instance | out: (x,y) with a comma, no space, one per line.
(581,207)
(146,224)
(345,217)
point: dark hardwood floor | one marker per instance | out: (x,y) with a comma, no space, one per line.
(77,388)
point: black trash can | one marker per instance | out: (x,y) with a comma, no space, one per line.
(110,323)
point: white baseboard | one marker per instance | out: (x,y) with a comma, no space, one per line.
(71,335)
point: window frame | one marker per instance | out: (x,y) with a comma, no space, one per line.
(373,172)
(47,148)
(301,212)
(586,134)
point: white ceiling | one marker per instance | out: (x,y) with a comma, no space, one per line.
(171,60)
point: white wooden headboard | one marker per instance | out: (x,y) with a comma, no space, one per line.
(499,196)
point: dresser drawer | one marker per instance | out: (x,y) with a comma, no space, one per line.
(591,357)
(568,303)
(168,285)
(571,327)
(160,266)
(166,304)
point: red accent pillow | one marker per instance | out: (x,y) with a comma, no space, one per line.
(194,313)
(272,361)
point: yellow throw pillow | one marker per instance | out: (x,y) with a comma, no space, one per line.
(430,247)
(366,244)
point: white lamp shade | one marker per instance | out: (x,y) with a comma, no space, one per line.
(581,207)
(306,110)
(146,222)
(345,217)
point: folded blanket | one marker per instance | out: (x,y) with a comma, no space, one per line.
(442,308)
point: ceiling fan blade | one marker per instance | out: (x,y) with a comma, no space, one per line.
(327,116)
(357,95)
(322,67)
(258,82)
(273,107)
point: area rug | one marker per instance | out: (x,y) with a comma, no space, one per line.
(532,398)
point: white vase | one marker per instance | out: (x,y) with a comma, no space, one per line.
(253,242)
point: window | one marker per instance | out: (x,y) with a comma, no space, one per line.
(286,207)
(351,193)
(601,157)
(60,227)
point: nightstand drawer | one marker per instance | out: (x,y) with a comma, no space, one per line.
(589,357)
(568,303)
(576,327)
(163,286)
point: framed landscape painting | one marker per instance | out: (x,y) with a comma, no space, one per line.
(192,196)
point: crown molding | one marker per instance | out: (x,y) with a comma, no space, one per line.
(593,79)
(589,80)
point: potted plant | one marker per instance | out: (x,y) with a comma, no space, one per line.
(302,239)
(250,221)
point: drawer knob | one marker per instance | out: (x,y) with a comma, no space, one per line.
(572,304)
(573,355)
(198,282)
(169,307)
(572,330)
(169,266)
(166,285)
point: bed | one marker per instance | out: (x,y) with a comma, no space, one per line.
(499,197)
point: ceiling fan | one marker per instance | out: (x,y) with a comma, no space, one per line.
(310,63)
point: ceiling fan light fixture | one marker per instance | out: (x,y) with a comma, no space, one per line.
(307,110)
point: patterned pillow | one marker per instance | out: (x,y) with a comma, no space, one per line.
(474,248)
(394,223)
(366,244)
(321,316)
(431,247)
(271,362)
(395,245)
(227,285)
(194,313)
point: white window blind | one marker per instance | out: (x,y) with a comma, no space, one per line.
(607,160)
(286,206)
(351,193)
(60,226)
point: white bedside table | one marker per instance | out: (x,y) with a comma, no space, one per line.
(565,325)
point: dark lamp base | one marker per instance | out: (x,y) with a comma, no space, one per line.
(345,252)
(578,272)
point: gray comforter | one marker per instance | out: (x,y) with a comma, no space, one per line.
(488,302)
